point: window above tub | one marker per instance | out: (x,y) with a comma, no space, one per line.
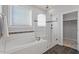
(20,15)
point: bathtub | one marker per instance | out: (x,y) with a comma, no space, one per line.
(25,44)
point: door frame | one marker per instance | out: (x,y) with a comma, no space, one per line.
(70,11)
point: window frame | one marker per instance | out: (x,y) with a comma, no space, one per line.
(40,22)
(10,17)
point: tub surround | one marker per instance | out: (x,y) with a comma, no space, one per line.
(25,43)
(36,47)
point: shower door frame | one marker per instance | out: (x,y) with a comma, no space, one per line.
(70,11)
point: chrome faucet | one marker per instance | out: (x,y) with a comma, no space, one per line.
(51,26)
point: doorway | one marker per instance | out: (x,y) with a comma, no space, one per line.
(70,29)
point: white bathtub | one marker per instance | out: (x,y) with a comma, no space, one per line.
(25,44)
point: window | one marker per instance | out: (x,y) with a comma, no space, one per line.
(41,20)
(20,15)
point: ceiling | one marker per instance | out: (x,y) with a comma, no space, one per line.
(44,7)
(58,7)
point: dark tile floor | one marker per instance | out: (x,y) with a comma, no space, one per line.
(61,50)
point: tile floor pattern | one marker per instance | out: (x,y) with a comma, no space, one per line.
(61,50)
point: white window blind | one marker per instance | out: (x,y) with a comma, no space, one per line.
(20,16)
